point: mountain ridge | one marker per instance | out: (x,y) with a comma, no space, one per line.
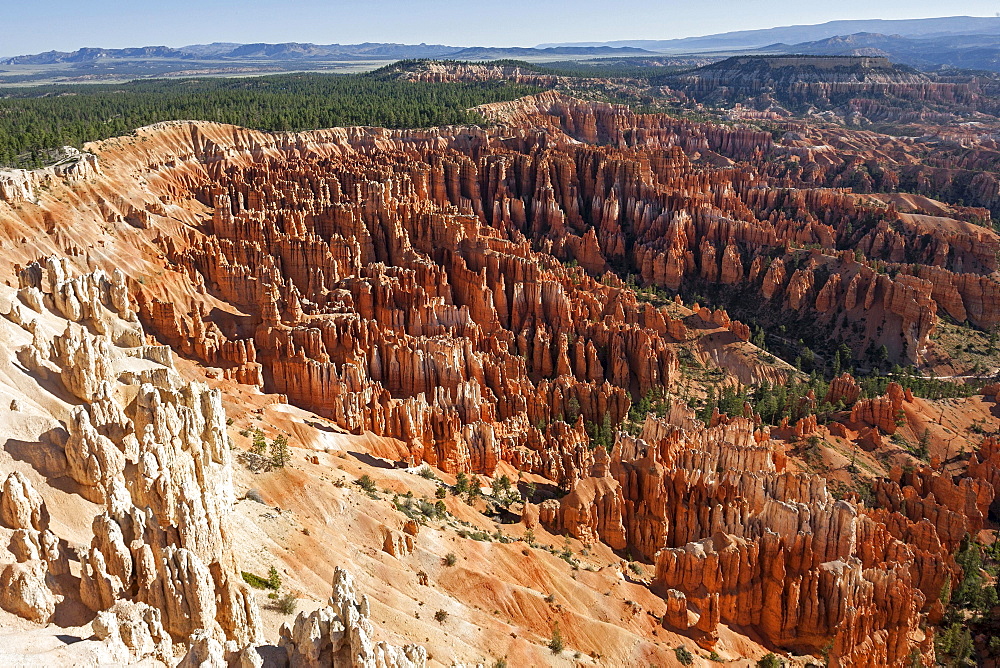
(952,51)
(300,51)
(950,25)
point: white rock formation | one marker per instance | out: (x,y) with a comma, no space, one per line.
(134,632)
(25,592)
(94,460)
(205,651)
(156,455)
(339,635)
(21,507)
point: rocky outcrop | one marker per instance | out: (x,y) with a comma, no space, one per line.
(24,590)
(20,185)
(134,632)
(593,510)
(21,507)
(844,390)
(984,465)
(25,586)
(953,508)
(339,635)
(397,543)
(883,412)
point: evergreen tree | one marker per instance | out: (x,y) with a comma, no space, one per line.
(280,455)
(259,446)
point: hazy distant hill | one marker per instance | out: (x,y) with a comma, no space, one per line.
(228,51)
(483,53)
(746,39)
(300,51)
(294,50)
(92,54)
(977,52)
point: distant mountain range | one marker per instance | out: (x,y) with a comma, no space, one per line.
(929,44)
(977,52)
(752,39)
(297,51)
(966,42)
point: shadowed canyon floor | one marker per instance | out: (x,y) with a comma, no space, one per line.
(468,376)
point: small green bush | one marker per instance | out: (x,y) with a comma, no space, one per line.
(427,509)
(272,581)
(366,483)
(450,559)
(769,660)
(684,656)
(286,604)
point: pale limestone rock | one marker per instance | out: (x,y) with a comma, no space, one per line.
(339,635)
(248,657)
(15,315)
(94,460)
(205,652)
(77,299)
(33,357)
(21,507)
(85,360)
(185,592)
(32,298)
(134,632)
(238,613)
(25,546)
(118,297)
(99,589)
(109,540)
(161,467)
(24,591)
(109,418)
(54,270)
(185,473)
(396,543)
(52,553)
(31,545)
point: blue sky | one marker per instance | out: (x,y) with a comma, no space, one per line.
(65,25)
